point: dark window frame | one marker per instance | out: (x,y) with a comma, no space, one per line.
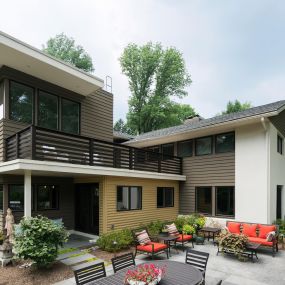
(280,144)
(196,200)
(57,197)
(180,142)
(61,116)
(129,198)
(218,152)
(163,188)
(33,100)
(216,201)
(2,202)
(58,107)
(167,156)
(9,196)
(212,147)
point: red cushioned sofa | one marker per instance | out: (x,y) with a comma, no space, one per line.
(257,233)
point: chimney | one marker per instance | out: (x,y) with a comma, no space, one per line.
(193,119)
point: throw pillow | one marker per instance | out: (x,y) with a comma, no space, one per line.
(249,230)
(172,230)
(143,237)
(270,236)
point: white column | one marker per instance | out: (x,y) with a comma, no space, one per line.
(28,194)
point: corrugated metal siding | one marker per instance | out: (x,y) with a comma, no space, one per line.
(97,116)
(279,122)
(208,170)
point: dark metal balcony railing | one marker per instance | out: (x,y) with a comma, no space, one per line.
(43,144)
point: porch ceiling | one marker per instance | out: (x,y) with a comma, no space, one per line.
(50,168)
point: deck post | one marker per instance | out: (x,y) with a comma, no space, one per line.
(27,194)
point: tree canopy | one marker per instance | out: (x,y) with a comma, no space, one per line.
(64,48)
(156,76)
(236,106)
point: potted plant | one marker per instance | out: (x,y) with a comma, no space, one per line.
(145,274)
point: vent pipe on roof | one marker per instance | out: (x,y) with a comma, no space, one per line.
(193,119)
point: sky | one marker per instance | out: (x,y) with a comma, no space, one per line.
(233,49)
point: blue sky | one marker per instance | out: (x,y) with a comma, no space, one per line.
(233,49)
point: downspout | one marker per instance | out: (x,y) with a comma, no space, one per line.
(267,147)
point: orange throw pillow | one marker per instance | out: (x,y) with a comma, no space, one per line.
(249,230)
(264,230)
(233,227)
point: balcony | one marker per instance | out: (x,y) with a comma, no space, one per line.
(37,143)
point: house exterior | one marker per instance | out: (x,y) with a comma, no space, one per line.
(234,164)
(58,157)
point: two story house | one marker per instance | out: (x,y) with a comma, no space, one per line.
(234,164)
(58,157)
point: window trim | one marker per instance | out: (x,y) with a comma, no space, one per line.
(227,133)
(173,196)
(192,142)
(57,196)
(216,204)
(129,198)
(196,139)
(279,137)
(33,101)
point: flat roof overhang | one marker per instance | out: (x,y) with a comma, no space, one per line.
(25,58)
(50,168)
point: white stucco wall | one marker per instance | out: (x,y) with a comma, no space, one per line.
(251,174)
(277,174)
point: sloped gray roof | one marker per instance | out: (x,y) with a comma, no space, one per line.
(121,135)
(259,110)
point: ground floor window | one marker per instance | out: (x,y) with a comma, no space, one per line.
(16,197)
(129,198)
(165,197)
(225,201)
(47,197)
(204,200)
(1,197)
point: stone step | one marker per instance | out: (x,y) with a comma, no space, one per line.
(77,259)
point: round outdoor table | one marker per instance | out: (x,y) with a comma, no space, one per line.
(167,240)
(177,273)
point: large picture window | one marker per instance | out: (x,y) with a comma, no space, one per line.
(47,197)
(129,198)
(70,112)
(165,197)
(225,143)
(185,148)
(1,197)
(203,146)
(204,200)
(21,102)
(48,111)
(16,197)
(225,201)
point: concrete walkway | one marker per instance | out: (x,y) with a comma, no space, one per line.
(265,271)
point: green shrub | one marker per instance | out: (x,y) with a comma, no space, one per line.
(123,239)
(2,237)
(155,227)
(39,239)
(180,222)
(196,221)
(188,229)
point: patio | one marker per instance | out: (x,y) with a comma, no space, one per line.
(265,271)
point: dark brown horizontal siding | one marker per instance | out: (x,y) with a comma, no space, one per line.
(97,116)
(208,170)
(279,122)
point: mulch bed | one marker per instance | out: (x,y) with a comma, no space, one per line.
(13,275)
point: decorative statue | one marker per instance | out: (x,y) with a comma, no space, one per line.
(9,226)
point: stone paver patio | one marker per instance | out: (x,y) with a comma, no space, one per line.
(265,271)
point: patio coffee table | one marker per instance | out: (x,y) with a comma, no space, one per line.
(167,240)
(177,273)
(210,231)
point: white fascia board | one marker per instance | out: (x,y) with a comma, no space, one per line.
(50,166)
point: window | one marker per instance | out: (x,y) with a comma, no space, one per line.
(225,143)
(16,197)
(153,153)
(129,198)
(21,102)
(203,146)
(165,197)
(48,111)
(1,197)
(185,148)
(225,201)
(279,144)
(47,197)
(167,149)
(1,99)
(204,200)
(70,116)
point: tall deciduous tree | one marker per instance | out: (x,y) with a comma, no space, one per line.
(64,48)
(236,106)
(156,75)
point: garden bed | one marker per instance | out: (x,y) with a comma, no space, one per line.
(12,274)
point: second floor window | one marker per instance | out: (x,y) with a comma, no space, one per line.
(279,144)
(48,111)
(167,150)
(70,112)
(225,143)
(185,148)
(21,102)
(203,146)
